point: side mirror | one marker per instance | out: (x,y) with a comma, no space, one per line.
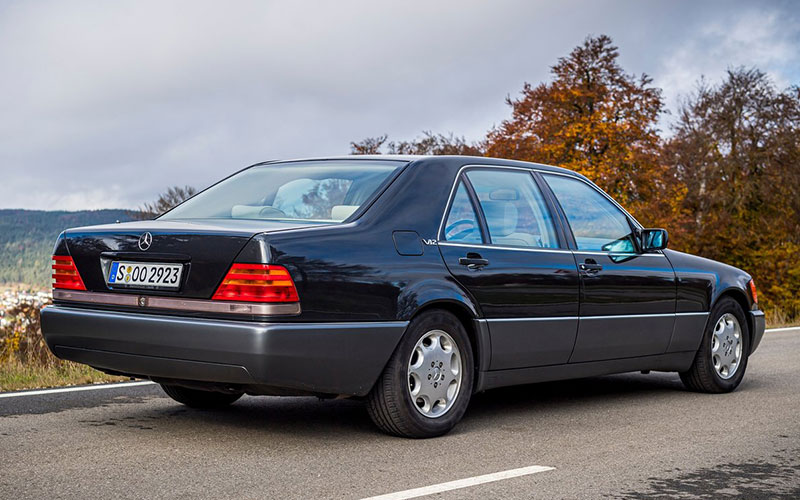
(654,239)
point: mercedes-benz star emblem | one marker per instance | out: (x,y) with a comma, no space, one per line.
(145,241)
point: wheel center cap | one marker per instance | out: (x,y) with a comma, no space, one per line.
(436,373)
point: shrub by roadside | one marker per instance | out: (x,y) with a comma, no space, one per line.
(27,363)
(778,318)
(16,376)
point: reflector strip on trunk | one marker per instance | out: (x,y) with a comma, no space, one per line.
(147,302)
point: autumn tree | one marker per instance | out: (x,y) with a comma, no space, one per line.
(165,201)
(368,146)
(597,120)
(428,144)
(736,148)
(726,183)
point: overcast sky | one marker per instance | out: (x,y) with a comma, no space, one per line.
(105,104)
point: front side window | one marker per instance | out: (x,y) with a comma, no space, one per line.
(462,223)
(319,191)
(515,211)
(597,224)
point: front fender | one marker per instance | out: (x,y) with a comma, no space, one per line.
(701,282)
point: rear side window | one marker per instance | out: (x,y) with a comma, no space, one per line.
(462,222)
(319,191)
(597,224)
(515,211)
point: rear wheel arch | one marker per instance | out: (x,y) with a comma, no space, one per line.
(388,403)
(467,318)
(455,305)
(424,293)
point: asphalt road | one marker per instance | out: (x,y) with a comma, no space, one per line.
(622,436)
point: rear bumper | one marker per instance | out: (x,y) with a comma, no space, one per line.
(331,358)
(759,324)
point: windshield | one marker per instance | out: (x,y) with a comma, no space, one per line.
(320,191)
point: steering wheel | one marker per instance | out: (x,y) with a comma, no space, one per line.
(461,233)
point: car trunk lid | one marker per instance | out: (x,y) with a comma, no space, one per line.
(205,249)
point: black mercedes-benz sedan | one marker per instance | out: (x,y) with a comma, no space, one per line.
(411,282)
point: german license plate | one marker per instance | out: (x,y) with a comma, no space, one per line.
(145,274)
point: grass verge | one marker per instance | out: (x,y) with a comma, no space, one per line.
(16,376)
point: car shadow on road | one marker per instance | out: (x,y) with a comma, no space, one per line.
(313,418)
(585,389)
(299,416)
(585,392)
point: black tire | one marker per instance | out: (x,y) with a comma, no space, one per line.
(196,398)
(702,376)
(390,403)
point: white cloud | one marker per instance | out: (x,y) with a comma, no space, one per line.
(765,38)
(105,104)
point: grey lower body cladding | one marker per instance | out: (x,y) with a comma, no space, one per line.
(329,358)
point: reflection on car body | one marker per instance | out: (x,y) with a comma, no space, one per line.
(412,282)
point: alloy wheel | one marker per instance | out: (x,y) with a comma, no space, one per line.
(434,373)
(726,346)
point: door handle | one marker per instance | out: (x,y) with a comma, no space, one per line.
(590,266)
(473,261)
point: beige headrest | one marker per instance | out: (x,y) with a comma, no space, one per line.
(341,212)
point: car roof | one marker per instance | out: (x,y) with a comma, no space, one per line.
(465,160)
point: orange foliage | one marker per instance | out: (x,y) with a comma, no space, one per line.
(726,184)
(599,121)
(736,150)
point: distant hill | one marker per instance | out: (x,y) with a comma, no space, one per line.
(27,237)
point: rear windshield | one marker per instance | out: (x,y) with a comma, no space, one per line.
(321,191)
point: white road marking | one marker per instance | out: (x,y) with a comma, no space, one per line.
(462,483)
(782,329)
(96,387)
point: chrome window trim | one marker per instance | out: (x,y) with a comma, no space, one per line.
(593,186)
(452,198)
(455,183)
(439,233)
(618,254)
(499,247)
(151,302)
(535,206)
(547,250)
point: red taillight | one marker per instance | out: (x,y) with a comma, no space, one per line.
(257,283)
(65,274)
(753,291)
